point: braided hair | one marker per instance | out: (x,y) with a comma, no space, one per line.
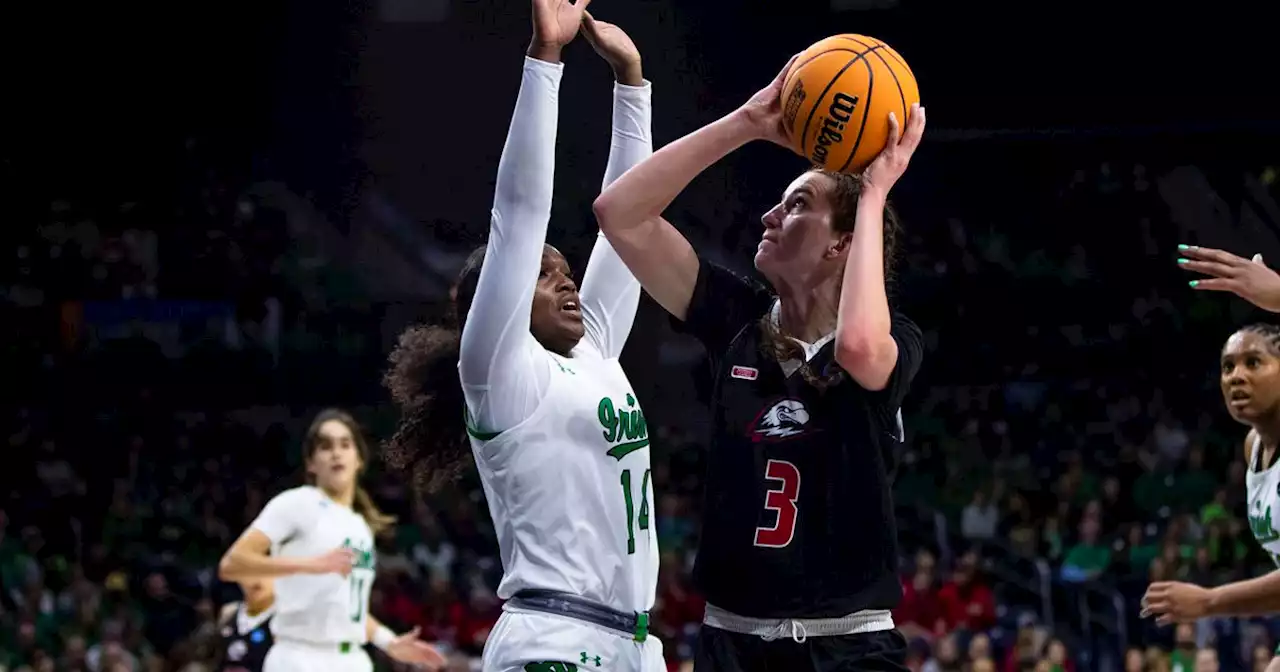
(1268,331)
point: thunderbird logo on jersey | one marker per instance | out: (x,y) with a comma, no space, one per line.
(783,420)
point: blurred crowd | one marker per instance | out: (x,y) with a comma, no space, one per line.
(166,354)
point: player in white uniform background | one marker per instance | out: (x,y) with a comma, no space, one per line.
(559,439)
(1250,381)
(317,542)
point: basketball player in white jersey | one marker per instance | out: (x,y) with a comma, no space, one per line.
(560,442)
(316,542)
(1250,379)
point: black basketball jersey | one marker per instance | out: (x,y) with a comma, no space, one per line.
(246,640)
(798,519)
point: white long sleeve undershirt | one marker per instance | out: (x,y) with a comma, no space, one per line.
(504,370)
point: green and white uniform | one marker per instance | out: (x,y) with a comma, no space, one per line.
(320,618)
(560,442)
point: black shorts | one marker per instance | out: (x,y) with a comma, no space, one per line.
(724,651)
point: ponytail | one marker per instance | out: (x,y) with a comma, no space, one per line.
(377,521)
(430,442)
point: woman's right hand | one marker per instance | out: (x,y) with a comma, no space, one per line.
(555,24)
(338,561)
(764,110)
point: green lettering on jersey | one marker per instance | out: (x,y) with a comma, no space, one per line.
(366,558)
(1261,526)
(623,427)
(551,666)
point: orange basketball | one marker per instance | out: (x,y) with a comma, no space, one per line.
(837,98)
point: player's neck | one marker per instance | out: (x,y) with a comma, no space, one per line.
(345,497)
(808,314)
(1268,431)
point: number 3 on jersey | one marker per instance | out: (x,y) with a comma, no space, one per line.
(634,521)
(782,501)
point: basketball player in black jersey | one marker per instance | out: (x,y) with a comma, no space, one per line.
(798,553)
(246,628)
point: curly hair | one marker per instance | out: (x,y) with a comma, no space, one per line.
(430,440)
(844,206)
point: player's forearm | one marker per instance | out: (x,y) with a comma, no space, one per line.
(646,190)
(610,292)
(239,565)
(632,139)
(1254,597)
(865,346)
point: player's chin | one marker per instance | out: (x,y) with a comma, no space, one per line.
(1243,413)
(570,330)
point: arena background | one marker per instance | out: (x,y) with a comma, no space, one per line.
(220,215)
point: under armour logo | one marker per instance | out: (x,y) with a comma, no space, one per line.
(586,658)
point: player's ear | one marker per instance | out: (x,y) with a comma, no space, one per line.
(840,244)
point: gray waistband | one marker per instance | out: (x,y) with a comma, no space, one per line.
(799,629)
(634,625)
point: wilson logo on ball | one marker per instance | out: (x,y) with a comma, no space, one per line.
(832,130)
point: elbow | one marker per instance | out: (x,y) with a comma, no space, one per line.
(869,360)
(606,212)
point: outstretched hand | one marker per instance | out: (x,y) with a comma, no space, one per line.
(1249,279)
(764,110)
(1175,602)
(616,48)
(555,24)
(892,161)
(407,648)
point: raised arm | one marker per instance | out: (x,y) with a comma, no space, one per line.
(501,375)
(630,210)
(610,293)
(865,344)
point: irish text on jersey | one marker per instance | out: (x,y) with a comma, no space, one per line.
(1261,526)
(365,557)
(624,426)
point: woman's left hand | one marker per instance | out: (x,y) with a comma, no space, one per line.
(892,162)
(616,48)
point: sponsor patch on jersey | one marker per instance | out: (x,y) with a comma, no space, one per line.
(783,420)
(744,373)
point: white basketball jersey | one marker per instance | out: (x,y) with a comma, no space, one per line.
(320,608)
(1264,501)
(570,491)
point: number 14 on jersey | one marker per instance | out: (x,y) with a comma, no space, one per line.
(633,521)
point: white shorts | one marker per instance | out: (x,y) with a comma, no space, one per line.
(287,655)
(525,641)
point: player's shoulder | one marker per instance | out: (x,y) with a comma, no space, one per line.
(301,495)
(1250,440)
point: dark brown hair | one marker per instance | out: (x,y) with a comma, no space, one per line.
(430,441)
(844,208)
(363,504)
